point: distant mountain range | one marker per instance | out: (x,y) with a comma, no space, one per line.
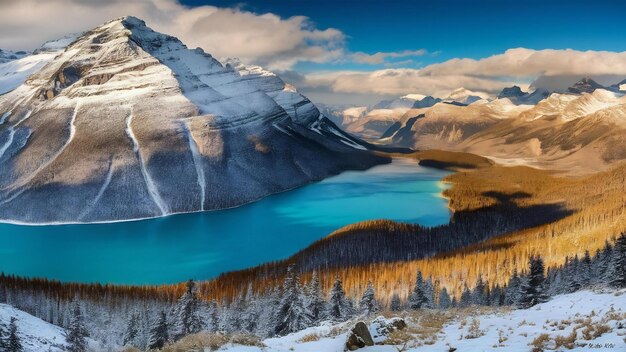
(574,132)
(123,122)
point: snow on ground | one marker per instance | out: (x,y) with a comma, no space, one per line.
(36,335)
(599,319)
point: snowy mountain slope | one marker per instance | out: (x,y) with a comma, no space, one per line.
(14,72)
(16,67)
(35,334)
(129,123)
(599,320)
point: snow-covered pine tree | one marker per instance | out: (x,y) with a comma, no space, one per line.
(4,335)
(368,304)
(159,334)
(339,308)
(572,275)
(251,311)
(267,319)
(77,334)
(496,297)
(585,270)
(604,265)
(466,297)
(532,290)
(511,293)
(417,298)
(213,317)
(293,315)
(315,301)
(132,330)
(444,299)
(13,343)
(617,271)
(187,313)
(429,292)
(479,296)
(396,304)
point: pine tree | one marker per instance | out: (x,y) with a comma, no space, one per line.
(368,304)
(512,291)
(251,311)
(13,342)
(292,315)
(213,317)
(604,264)
(479,296)
(466,297)
(417,298)
(396,304)
(132,330)
(187,313)
(267,320)
(532,290)
(585,270)
(496,297)
(159,334)
(339,308)
(572,275)
(617,272)
(315,303)
(444,299)
(4,335)
(77,333)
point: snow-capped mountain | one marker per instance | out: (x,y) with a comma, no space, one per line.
(129,123)
(462,96)
(585,85)
(519,97)
(563,130)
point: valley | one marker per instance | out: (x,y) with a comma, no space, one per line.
(158,197)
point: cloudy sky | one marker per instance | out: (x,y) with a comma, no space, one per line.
(358,52)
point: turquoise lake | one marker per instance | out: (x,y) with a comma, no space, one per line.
(203,245)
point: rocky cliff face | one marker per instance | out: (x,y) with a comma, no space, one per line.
(129,123)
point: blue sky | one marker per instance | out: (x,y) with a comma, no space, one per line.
(450,29)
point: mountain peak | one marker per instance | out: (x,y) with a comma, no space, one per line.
(585,85)
(511,92)
(124,108)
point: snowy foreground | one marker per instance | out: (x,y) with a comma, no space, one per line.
(599,319)
(502,330)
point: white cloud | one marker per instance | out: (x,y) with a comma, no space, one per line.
(400,81)
(381,57)
(522,62)
(518,66)
(264,39)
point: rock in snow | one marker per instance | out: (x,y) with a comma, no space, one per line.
(128,123)
(359,337)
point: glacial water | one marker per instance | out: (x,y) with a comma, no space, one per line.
(203,245)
